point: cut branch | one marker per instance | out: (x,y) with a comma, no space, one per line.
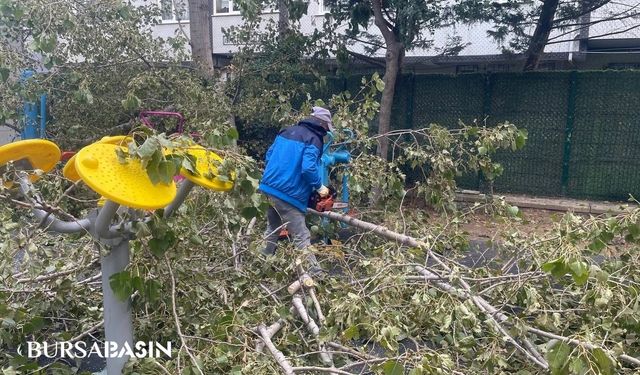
(271,331)
(277,355)
(299,308)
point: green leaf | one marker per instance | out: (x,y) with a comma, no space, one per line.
(393,368)
(557,358)
(149,148)
(351,333)
(233,133)
(152,290)
(166,171)
(521,139)
(634,230)
(121,155)
(196,239)
(131,103)
(137,283)
(580,272)
(513,210)
(34,325)
(557,267)
(159,246)
(189,163)
(249,212)
(597,245)
(606,236)
(603,361)
(153,165)
(578,366)
(380,85)
(121,285)
(4,74)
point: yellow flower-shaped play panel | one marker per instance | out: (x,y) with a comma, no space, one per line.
(31,154)
(126,184)
(206,169)
(70,171)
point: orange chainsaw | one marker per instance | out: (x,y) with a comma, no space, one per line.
(319,204)
(323,204)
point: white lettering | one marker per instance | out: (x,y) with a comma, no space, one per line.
(141,350)
(165,349)
(126,350)
(81,349)
(95,349)
(65,349)
(33,347)
(46,350)
(110,349)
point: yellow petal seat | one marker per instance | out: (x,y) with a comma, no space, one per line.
(39,153)
(69,171)
(205,165)
(126,184)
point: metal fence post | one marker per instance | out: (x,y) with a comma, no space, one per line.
(568,131)
(486,100)
(486,112)
(410,100)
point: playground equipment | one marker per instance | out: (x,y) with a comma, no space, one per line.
(125,185)
(340,155)
(332,157)
(33,128)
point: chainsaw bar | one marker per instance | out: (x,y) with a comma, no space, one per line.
(339,205)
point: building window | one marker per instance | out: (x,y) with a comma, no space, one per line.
(322,8)
(174,10)
(225,7)
(466,69)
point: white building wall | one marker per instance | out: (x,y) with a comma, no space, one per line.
(479,43)
(8,135)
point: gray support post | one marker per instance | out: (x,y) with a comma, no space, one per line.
(183,191)
(118,327)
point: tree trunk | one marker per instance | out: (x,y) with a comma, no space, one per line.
(283,18)
(393,60)
(201,33)
(540,35)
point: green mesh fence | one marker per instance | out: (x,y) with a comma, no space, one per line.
(605,144)
(584,127)
(538,103)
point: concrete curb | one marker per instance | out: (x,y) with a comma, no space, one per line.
(553,204)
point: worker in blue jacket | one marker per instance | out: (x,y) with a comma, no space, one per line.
(291,175)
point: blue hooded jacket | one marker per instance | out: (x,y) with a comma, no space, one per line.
(293,163)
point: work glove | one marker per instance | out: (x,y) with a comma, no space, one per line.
(323,191)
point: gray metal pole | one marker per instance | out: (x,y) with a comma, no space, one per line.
(118,327)
(183,191)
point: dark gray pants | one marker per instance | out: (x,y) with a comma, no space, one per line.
(281,212)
